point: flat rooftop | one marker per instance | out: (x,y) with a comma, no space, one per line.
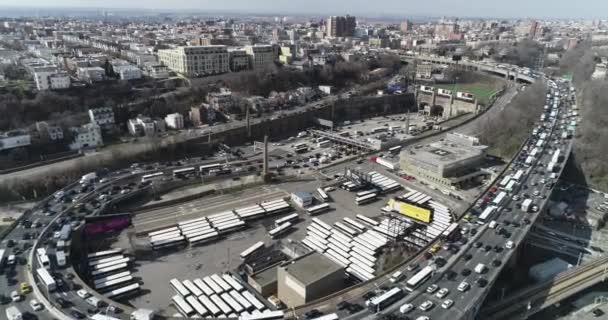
(311,268)
(444,152)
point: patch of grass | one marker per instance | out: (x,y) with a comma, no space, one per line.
(481,91)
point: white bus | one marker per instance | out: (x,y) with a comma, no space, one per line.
(159,232)
(181,173)
(126,290)
(203,286)
(252,250)
(331,316)
(221,304)
(314,210)
(214,311)
(367,220)
(301,148)
(365,192)
(205,169)
(107,285)
(179,287)
(217,279)
(290,218)
(354,224)
(182,306)
(241,300)
(98,282)
(419,278)
(111,263)
(451,233)
(254,301)
(233,282)
(204,238)
(61,258)
(197,306)
(152,176)
(214,286)
(46,279)
(366,199)
(192,288)
(379,303)
(344,228)
(499,198)
(105,271)
(268,315)
(394,150)
(232,303)
(106,260)
(323,195)
(279,230)
(485,215)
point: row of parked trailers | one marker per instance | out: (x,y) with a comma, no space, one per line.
(442,218)
(109,270)
(206,229)
(216,296)
(383,183)
(350,243)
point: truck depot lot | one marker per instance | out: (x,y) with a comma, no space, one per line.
(223,254)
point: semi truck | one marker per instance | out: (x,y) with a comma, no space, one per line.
(88,178)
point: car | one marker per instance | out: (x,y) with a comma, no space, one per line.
(447,304)
(343,305)
(432,288)
(36,306)
(369,295)
(15,296)
(440,262)
(426,306)
(423,318)
(496,262)
(77,314)
(473,231)
(406,308)
(451,274)
(509,244)
(25,288)
(63,302)
(412,267)
(498,249)
(527,221)
(467,257)
(314,313)
(83,294)
(463,286)
(481,282)
(487,248)
(442,293)
(478,244)
(465,272)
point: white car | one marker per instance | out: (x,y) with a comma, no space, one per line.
(447,304)
(36,306)
(83,293)
(15,296)
(57,235)
(432,288)
(463,286)
(426,306)
(442,293)
(406,308)
(509,244)
(423,318)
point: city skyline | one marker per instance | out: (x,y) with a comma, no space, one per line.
(472,8)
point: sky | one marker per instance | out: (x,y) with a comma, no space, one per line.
(461,8)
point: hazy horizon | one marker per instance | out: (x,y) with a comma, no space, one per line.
(469,8)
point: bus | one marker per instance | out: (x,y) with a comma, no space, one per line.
(44,261)
(314,210)
(268,315)
(46,279)
(366,199)
(221,304)
(126,290)
(241,300)
(290,218)
(394,150)
(419,278)
(354,224)
(106,271)
(323,195)
(485,215)
(162,231)
(123,274)
(379,129)
(204,238)
(205,169)
(331,316)
(379,303)
(367,220)
(232,303)
(192,288)
(105,260)
(499,198)
(279,230)
(301,148)
(2,251)
(179,287)
(203,286)
(254,301)
(214,286)
(110,263)
(197,306)
(103,286)
(217,279)
(183,173)
(451,234)
(214,311)
(344,228)
(252,250)
(182,306)
(152,176)
(233,282)
(365,192)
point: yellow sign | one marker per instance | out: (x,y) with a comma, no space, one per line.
(412,211)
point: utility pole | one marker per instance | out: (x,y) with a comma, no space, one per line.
(248,119)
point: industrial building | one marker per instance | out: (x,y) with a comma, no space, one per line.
(454,161)
(307,278)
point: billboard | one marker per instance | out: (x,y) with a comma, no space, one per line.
(411,211)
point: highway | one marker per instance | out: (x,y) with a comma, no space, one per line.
(490,247)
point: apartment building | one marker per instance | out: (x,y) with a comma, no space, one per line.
(261,56)
(196,61)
